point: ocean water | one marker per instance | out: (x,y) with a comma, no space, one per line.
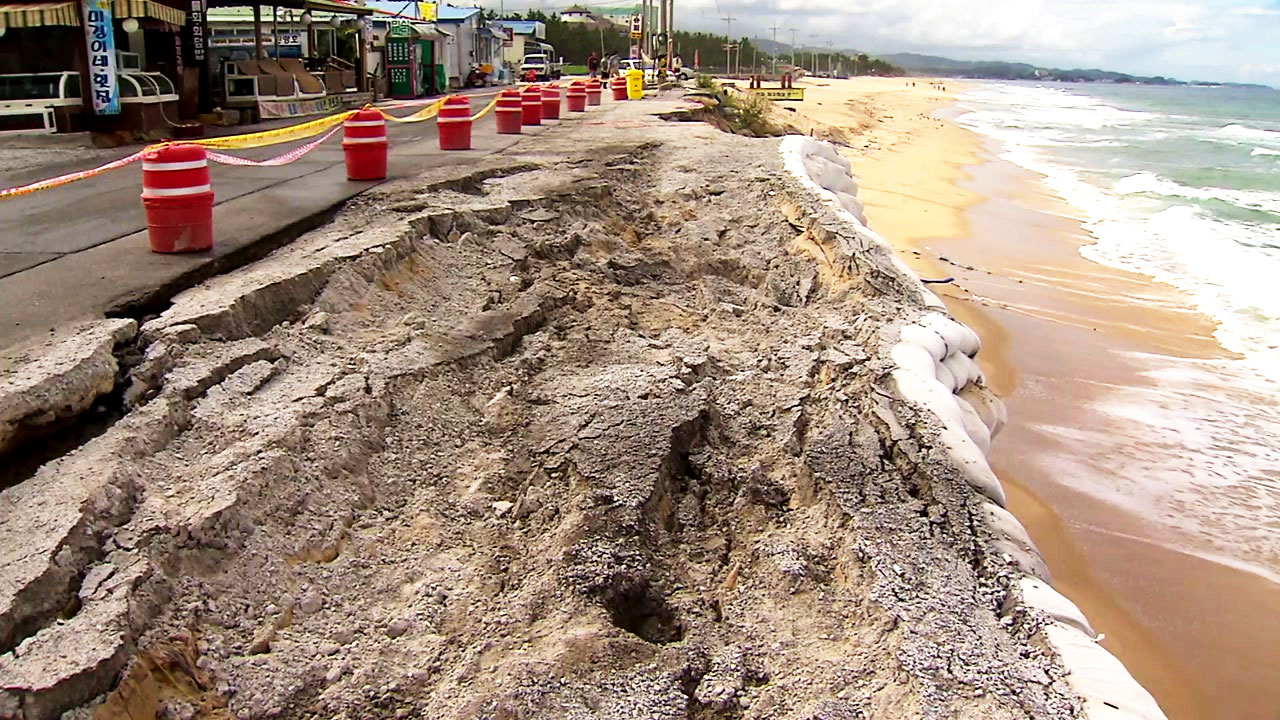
(1182,184)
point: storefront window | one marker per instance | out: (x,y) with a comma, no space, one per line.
(31,87)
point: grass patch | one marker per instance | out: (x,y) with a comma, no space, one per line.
(575,69)
(706,82)
(750,112)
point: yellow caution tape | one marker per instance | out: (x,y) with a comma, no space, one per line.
(486,110)
(425,113)
(273,137)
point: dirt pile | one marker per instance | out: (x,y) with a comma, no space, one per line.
(603,432)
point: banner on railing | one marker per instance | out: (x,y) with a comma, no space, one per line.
(99,35)
(274,109)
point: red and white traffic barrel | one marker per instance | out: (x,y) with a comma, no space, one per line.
(551,102)
(364,141)
(178,198)
(454,123)
(618,86)
(509,112)
(576,96)
(595,92)
(531,106)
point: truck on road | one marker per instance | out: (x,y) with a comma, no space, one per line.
(540,61)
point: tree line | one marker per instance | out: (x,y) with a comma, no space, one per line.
(575,41)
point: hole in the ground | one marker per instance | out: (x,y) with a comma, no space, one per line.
(33,446)
(635,606)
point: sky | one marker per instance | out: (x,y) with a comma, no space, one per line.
(1217,40)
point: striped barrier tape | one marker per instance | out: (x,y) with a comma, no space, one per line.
(425,113)
(273,137)
(488,108)
(69,178)
(331,123)
(277,161)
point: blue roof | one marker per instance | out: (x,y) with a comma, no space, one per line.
(449,13)
(409,8)
(519,27)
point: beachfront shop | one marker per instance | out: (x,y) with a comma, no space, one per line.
(292,59)
(103,65)
(413,69)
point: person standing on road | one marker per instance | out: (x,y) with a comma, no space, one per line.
(593,64)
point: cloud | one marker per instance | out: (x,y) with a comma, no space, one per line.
(1213,39)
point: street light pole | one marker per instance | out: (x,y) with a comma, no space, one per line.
(814,55)
(793,49)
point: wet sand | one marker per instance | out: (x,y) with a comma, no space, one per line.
(1201,636)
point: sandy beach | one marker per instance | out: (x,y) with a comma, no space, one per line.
(1059,332)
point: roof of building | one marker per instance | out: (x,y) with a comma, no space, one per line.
(575,9)
(397,7)
(519,27)
(449,13)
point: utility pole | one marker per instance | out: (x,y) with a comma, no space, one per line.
(814,55)
(793,49)
(728,45)
(671,32)
(774,54)
(831,57)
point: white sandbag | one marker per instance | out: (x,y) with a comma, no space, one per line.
(963,368)
(986,404)
(944,376)
(1039,595)
(1108,690)
(1002,523)
(1010,538)
(927,339)
(913,358)
(852,205)
(974,427)
(928,395)
(959,338)
(966,456)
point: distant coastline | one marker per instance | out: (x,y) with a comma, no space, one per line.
(996,70)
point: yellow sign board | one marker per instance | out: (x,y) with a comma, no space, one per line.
(777,94)
(427,11)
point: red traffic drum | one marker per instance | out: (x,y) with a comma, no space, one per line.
(551,102)
(454,123)
(618,86)
(509,112)
(178,198)
(364,141)
(576,96)
(595,92)
(531,106)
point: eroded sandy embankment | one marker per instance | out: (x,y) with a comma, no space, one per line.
(608,427)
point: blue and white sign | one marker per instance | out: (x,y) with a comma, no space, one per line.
(100,37)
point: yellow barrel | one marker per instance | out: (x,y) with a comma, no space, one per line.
(635,84)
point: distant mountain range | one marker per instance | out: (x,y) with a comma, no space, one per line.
(992,70)
(996,70)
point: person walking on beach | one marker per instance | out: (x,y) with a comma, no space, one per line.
(593,64)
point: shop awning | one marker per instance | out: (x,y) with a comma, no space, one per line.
(430,30)
(68,13)
(40,14)
(148,9)
(335,7)
(330,6)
